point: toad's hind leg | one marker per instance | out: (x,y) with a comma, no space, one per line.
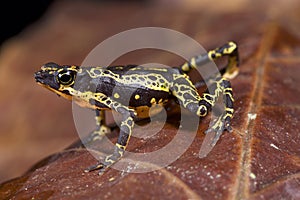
(221,88)
(229,49)
(189,98)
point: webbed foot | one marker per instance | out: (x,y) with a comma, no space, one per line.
(108,161)
(102,166)
(219,125)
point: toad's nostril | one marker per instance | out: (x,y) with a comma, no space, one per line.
(38,76)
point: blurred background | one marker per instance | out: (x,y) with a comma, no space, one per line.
(34,122)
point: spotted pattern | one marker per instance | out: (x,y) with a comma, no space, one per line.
(132,90)
(134,77)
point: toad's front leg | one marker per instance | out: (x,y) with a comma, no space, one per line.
(123,139)
(101,129)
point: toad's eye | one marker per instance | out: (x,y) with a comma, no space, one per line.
(66,77)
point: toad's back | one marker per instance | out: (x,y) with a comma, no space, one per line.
(130,85)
